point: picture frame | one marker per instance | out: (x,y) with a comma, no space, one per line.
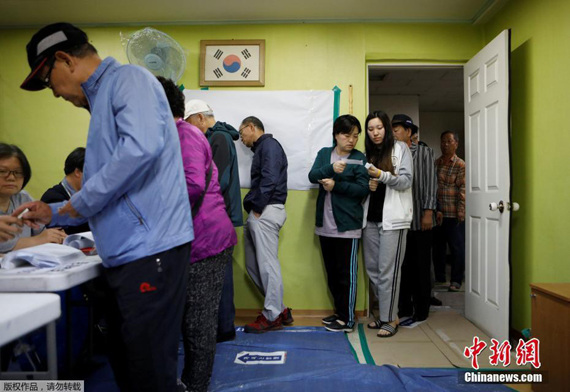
(232,63)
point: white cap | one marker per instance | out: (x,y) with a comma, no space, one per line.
(194,106)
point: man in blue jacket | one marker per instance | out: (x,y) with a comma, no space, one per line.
(265,204)
(133,195)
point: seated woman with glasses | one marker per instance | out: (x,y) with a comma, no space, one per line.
(15,173)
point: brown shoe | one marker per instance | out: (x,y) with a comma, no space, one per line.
(286,316)
(261,324)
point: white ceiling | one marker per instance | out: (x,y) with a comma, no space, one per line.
(35,13)
(439,89)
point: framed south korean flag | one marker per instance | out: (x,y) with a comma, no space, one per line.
(232,63)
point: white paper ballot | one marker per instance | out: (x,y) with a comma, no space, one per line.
(367,165)
(42,256)
(80,240)
(353,161)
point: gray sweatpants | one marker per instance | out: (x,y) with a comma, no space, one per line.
(261,260)
(383,257)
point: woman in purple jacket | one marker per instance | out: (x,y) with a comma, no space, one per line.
(214,240)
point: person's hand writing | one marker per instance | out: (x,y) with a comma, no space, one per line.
(39,213)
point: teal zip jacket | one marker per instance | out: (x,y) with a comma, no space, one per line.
(350,189)
(221,138)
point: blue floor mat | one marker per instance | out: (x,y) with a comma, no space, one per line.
(317,360)
(311,351)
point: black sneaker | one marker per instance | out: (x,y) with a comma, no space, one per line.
(287,316)
(338,326)
(226,336)
(330,319)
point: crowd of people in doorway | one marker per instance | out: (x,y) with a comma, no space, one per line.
(158,185)
(393,197)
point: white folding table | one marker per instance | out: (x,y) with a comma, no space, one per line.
(22,313)
(33,279)
(42,280)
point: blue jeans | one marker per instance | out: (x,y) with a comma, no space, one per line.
(453,233)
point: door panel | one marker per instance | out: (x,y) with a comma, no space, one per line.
(487,287)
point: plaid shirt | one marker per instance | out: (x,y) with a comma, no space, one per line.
(450,186)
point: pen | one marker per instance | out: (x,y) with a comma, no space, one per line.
(23,213)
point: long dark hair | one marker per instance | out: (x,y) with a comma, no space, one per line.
(380,155)
(11,150)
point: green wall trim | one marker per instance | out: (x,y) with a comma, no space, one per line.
(336,106)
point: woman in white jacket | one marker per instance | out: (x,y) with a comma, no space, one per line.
(389,217)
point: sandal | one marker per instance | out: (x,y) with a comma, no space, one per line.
(388,328)
(376,324)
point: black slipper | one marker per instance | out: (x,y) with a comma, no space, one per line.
(388,328)
(376,324)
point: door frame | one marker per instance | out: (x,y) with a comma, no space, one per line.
(404,65)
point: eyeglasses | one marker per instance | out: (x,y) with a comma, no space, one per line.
(6,173)
(242,128)
(47,79)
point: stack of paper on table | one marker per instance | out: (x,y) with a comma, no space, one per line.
(42,256)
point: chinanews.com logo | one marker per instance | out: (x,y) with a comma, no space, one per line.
(526,353)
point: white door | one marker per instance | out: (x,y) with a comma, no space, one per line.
(487,121)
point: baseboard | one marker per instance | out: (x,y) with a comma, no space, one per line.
(297,312)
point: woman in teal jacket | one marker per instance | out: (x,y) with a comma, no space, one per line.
(343,185)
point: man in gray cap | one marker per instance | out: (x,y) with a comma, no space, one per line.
(133,195)
(415,287)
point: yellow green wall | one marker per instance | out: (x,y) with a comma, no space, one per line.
(540,87)
(298,57)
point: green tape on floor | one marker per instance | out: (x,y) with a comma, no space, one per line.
(364,345)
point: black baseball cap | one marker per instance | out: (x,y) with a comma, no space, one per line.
(406,121)
(47,41)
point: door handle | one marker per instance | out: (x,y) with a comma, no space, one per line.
(495,206)
(514,206)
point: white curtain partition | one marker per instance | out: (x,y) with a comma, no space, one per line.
(300,120)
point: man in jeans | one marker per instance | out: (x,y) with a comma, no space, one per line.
(450,211)
(265,204)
